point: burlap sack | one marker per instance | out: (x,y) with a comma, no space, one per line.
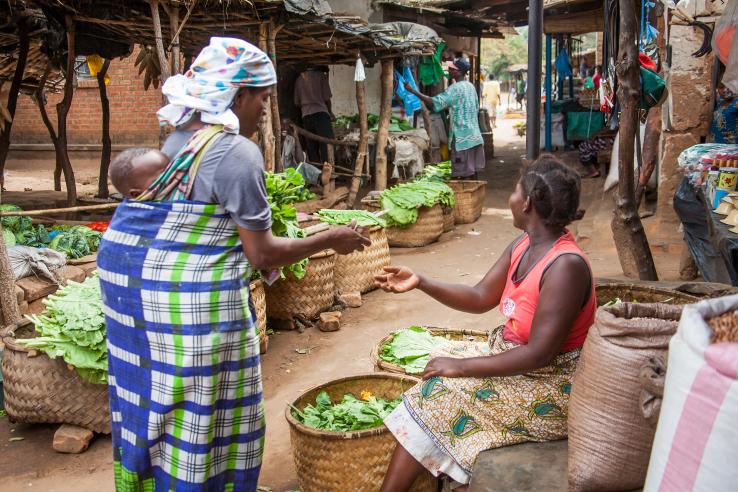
(609,437)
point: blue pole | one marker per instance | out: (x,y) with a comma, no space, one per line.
(559,47)
(571,77)
(548,93)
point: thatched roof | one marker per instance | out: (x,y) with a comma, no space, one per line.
(310,32)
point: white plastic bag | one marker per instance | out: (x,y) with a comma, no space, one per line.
(43,262)
(696,443)
(612,176)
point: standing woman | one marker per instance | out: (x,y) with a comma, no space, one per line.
(466,143)
(476,396)
(183,353)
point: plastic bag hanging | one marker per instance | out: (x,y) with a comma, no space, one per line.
(359,73)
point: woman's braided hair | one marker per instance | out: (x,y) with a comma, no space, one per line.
(553,189)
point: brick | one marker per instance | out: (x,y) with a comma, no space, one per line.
(36,307)
(351,299)
(36,288)
(73,273)
(20,294)
(72,439)
(673,143)
(689,101)
(330,321)
(23,308)
(88,268)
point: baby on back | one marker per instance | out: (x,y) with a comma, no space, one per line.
(134,170)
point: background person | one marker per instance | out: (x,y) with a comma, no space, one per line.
(491,98)
(313,97)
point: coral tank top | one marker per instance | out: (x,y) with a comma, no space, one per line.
(520,297)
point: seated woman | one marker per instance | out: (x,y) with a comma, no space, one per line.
(475,397)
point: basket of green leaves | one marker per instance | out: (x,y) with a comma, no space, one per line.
(339,440)
(55,364)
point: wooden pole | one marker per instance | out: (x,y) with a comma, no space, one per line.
(274,98)
(380,181)
(362,152)
(628,233)
(62,110)
(56,211)
(163,61)
(266,130)
(650,153)
(435,154)
(107,145)
(40,97)
(173,12)
(20,68)
(9,311)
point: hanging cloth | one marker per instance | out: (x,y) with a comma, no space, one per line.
(359,73)
(563,64)
(95,65)
(409,100)
(430,70)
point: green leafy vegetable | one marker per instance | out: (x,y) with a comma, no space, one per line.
(351,414)
(438,172)
(9,238)
(343,217)
(402,201)
(73,327)
(284,189)
(76,241)
(372,120)
(410,349)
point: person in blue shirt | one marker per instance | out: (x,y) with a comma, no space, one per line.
(724,126)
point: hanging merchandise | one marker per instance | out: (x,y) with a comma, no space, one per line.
(722,38)
(359,73)
(95,65)
(653,87)
(409,100)
(649,34)
(563,65)
(430,70)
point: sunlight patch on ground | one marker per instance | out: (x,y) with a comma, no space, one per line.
(498,212)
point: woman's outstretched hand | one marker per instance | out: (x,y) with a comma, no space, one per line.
(397,280)
(446,367)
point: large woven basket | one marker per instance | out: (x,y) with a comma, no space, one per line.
(40,390)
(469,200)
(355,272)
(449,333)
(641,294)
(348,461)
(289,297)
(448,219)
(426,230)
(258,298)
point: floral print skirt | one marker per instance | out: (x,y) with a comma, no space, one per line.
(458,418)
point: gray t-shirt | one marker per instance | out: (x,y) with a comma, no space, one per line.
(231,174)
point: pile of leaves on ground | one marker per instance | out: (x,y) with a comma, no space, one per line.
(284,190)
(402,201)
(363,218)
(74,241)
(437,172)
(73,327)
(351,414)
(410,349)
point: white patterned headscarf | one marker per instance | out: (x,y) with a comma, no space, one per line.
(211,83)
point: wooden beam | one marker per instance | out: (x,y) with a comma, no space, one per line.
(578,23)
(380,162)
(628,233)
(321,139)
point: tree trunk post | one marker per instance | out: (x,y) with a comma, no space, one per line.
(266,130)
(40,97)
(650,153)
(434,152)
(20,67)
(158,38)
(107,145)
(174,28)
(361,154)
(380,181)
(9,311)
(62,110)
(274,98)
(629,235)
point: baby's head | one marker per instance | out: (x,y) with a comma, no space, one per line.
(133,170)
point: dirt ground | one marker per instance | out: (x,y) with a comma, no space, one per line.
(463,256)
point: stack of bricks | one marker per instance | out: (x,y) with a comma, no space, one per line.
(132,111)
(31,291)
(689,105)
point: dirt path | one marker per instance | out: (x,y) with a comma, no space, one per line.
(463,255)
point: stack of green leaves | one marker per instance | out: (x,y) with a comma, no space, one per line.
(73,327)
(351,414)
(396,124)
(76,241)
(438,172)
(343,217)
(21,231)
(402,201)
(410,349)
(283,190)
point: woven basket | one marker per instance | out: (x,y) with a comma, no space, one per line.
(308,297)
(355,272)
(40,390)
(258,297)
(426,230)
(641,294)
(448,219)
(449,333)
(348,461)
(469,200)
